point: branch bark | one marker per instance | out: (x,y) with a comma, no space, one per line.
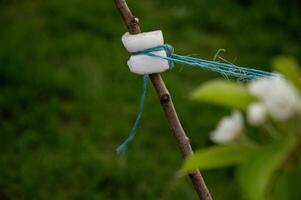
(174,123)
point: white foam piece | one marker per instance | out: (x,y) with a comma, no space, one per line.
(142,41)
(144,64)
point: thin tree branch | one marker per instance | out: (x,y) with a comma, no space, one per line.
(174,123)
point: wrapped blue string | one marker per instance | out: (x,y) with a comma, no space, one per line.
(172,58)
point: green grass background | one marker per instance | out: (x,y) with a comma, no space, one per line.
(67,98)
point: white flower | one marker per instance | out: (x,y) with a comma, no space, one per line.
(261,87)
(229,129)
(279,96)
(256,114)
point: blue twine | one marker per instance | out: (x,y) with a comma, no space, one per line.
(123,147)
(222,68)
(172,58)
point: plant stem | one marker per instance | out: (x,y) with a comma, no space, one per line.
(183,142)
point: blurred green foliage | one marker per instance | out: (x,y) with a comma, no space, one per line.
(67,98)
(226,94)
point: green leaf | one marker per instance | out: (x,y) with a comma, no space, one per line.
(289,67)
(217,157)
(223,93)
(255,175)
(287,185)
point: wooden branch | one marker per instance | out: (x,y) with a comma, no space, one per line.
(177,130)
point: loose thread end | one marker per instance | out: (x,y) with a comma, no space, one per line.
(122,148)
(217,54)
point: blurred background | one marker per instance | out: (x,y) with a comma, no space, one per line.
(67,98)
